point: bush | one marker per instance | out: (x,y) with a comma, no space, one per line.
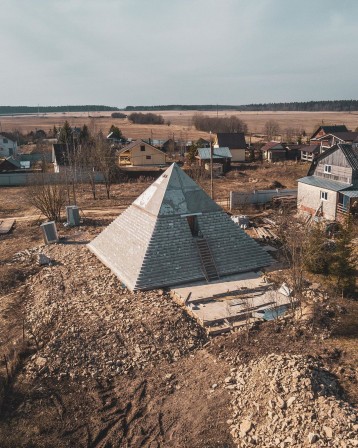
(219,124)
(118,115)
(149,118)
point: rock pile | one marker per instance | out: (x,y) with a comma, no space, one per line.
(85,323)
(289,401)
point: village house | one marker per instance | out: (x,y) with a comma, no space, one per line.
(332,139)
(236,143)
(221,156)
(330,190)
(324,130)
(140,153)
(31,155)
(202,143)
(273,152)
(309,152)
(8,145)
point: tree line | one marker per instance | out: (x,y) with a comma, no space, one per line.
(9,110)
(299,106)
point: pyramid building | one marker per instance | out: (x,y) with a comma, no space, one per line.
(175,233)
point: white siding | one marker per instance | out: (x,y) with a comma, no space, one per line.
(309,199)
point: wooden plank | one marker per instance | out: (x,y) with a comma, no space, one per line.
(6,225)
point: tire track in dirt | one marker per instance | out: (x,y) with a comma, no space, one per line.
(123,425)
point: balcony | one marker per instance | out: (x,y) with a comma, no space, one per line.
(343,210)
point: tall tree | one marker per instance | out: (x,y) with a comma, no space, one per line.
(65,136)
(116,132)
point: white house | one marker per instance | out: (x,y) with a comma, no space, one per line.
(8,146)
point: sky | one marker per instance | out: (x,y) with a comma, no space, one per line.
(155,52)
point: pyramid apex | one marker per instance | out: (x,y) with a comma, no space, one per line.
(175,193)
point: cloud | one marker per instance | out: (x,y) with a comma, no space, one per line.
(123,52)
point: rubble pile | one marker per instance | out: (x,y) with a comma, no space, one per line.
(289,401)
(85,323)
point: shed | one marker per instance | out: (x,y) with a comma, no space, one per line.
(220,155)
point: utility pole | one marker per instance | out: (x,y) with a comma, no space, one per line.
(211,169)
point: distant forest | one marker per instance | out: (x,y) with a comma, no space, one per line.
(9,110)
(308,106)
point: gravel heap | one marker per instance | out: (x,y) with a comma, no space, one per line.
(85,323)
(289,401)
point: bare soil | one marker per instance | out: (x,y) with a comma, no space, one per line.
(172,396)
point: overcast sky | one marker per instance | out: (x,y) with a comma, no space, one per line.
(144,52)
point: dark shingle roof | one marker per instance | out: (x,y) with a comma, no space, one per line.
(346,136)
(271,145)
(331,129)
(234,140)
(8,135)
(351,153)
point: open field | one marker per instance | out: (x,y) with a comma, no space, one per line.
(180,122)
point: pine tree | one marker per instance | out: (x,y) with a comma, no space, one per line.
(65,136)
(343,266)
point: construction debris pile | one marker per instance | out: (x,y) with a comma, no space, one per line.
(86,324)
(289,401)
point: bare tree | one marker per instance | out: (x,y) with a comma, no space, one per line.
(47,195)
(106,159)
(230,124)
(271,129)
(293,235)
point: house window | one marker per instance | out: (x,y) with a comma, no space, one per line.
(328,169)
(5,140)
(142,147)
(324,195)
(148,157)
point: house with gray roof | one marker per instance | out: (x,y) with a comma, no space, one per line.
(330,190)
(324,130)
(274,152)
(309,152)
(332,139)
(174,233)
(235,141)
(221,156)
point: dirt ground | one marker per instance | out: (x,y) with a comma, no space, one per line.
(180,122)
(93,365)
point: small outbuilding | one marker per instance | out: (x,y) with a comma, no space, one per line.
(221,156)
(273,152)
